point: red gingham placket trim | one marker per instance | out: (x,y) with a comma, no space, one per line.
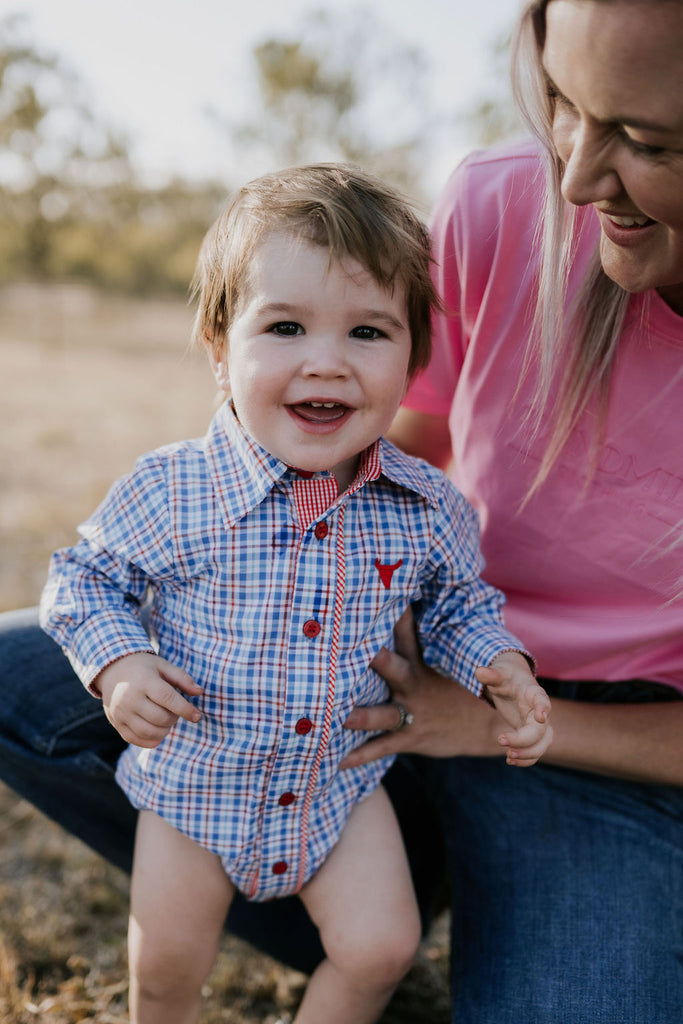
(331,685)
(313,497)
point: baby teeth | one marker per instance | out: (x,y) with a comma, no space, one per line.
(323,405)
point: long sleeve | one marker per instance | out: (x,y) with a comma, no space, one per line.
(459,616)
(90,604)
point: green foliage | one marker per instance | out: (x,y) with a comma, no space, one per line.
(494,117)
(70,203)
(340,87)
(72,206)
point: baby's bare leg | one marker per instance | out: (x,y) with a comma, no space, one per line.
(363,902)
(180,896)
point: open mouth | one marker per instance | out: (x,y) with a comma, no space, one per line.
(320,412)
(625,230)
(628,223)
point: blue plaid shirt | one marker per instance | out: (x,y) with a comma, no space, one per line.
(274,593)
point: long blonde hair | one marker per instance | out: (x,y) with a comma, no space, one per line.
(588,332)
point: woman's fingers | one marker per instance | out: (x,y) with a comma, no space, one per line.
(375,718)
(395,671)
(381,746)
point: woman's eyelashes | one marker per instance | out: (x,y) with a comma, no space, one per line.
(561,103)
(641,148)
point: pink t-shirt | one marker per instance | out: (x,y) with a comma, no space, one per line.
(587,565)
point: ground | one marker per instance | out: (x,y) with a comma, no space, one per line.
(88,382)
(63,916)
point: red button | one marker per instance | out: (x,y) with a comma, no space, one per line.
(279,867)
(286,799)
(303,726)
(311,628)
(321,530)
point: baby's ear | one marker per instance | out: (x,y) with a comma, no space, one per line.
(220,372)
(217,357)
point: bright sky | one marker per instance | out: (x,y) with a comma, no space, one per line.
(151,67)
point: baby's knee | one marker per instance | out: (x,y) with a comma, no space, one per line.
(380,957)
(167,972)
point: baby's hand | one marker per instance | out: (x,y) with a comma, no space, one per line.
(523,704)
(141,699)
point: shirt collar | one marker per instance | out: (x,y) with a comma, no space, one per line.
(244,473)
(410,473)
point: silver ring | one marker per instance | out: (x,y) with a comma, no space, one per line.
(404,717)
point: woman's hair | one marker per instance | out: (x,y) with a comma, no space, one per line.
(343,208)
(589,331)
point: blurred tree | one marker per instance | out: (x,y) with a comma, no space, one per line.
(72,205)
(54,155)
(135,239)
(494,117)
(341,87)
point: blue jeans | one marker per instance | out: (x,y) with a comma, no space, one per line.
(567,888)
(567,895)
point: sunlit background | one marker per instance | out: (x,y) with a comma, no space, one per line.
(179,80)
(123,125)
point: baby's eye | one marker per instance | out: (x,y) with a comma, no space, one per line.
(286,328)
(366,333)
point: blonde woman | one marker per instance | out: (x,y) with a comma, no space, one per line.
(557,392)
(556,388)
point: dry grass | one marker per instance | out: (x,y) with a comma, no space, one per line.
(88,382)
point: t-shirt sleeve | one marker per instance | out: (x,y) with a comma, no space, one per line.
(432,390)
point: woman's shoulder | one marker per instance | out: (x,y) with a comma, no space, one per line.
(517,158)
(501,178)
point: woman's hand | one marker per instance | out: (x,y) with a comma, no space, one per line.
(448,721)
(628,741)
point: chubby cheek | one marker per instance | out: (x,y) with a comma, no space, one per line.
(391,398)
(254,372)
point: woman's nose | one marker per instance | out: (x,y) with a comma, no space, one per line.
(589,174)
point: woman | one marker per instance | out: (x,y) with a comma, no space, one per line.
(566,879)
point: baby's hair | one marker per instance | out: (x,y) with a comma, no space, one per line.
(341,207)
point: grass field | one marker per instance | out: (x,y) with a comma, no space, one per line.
(88,382)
